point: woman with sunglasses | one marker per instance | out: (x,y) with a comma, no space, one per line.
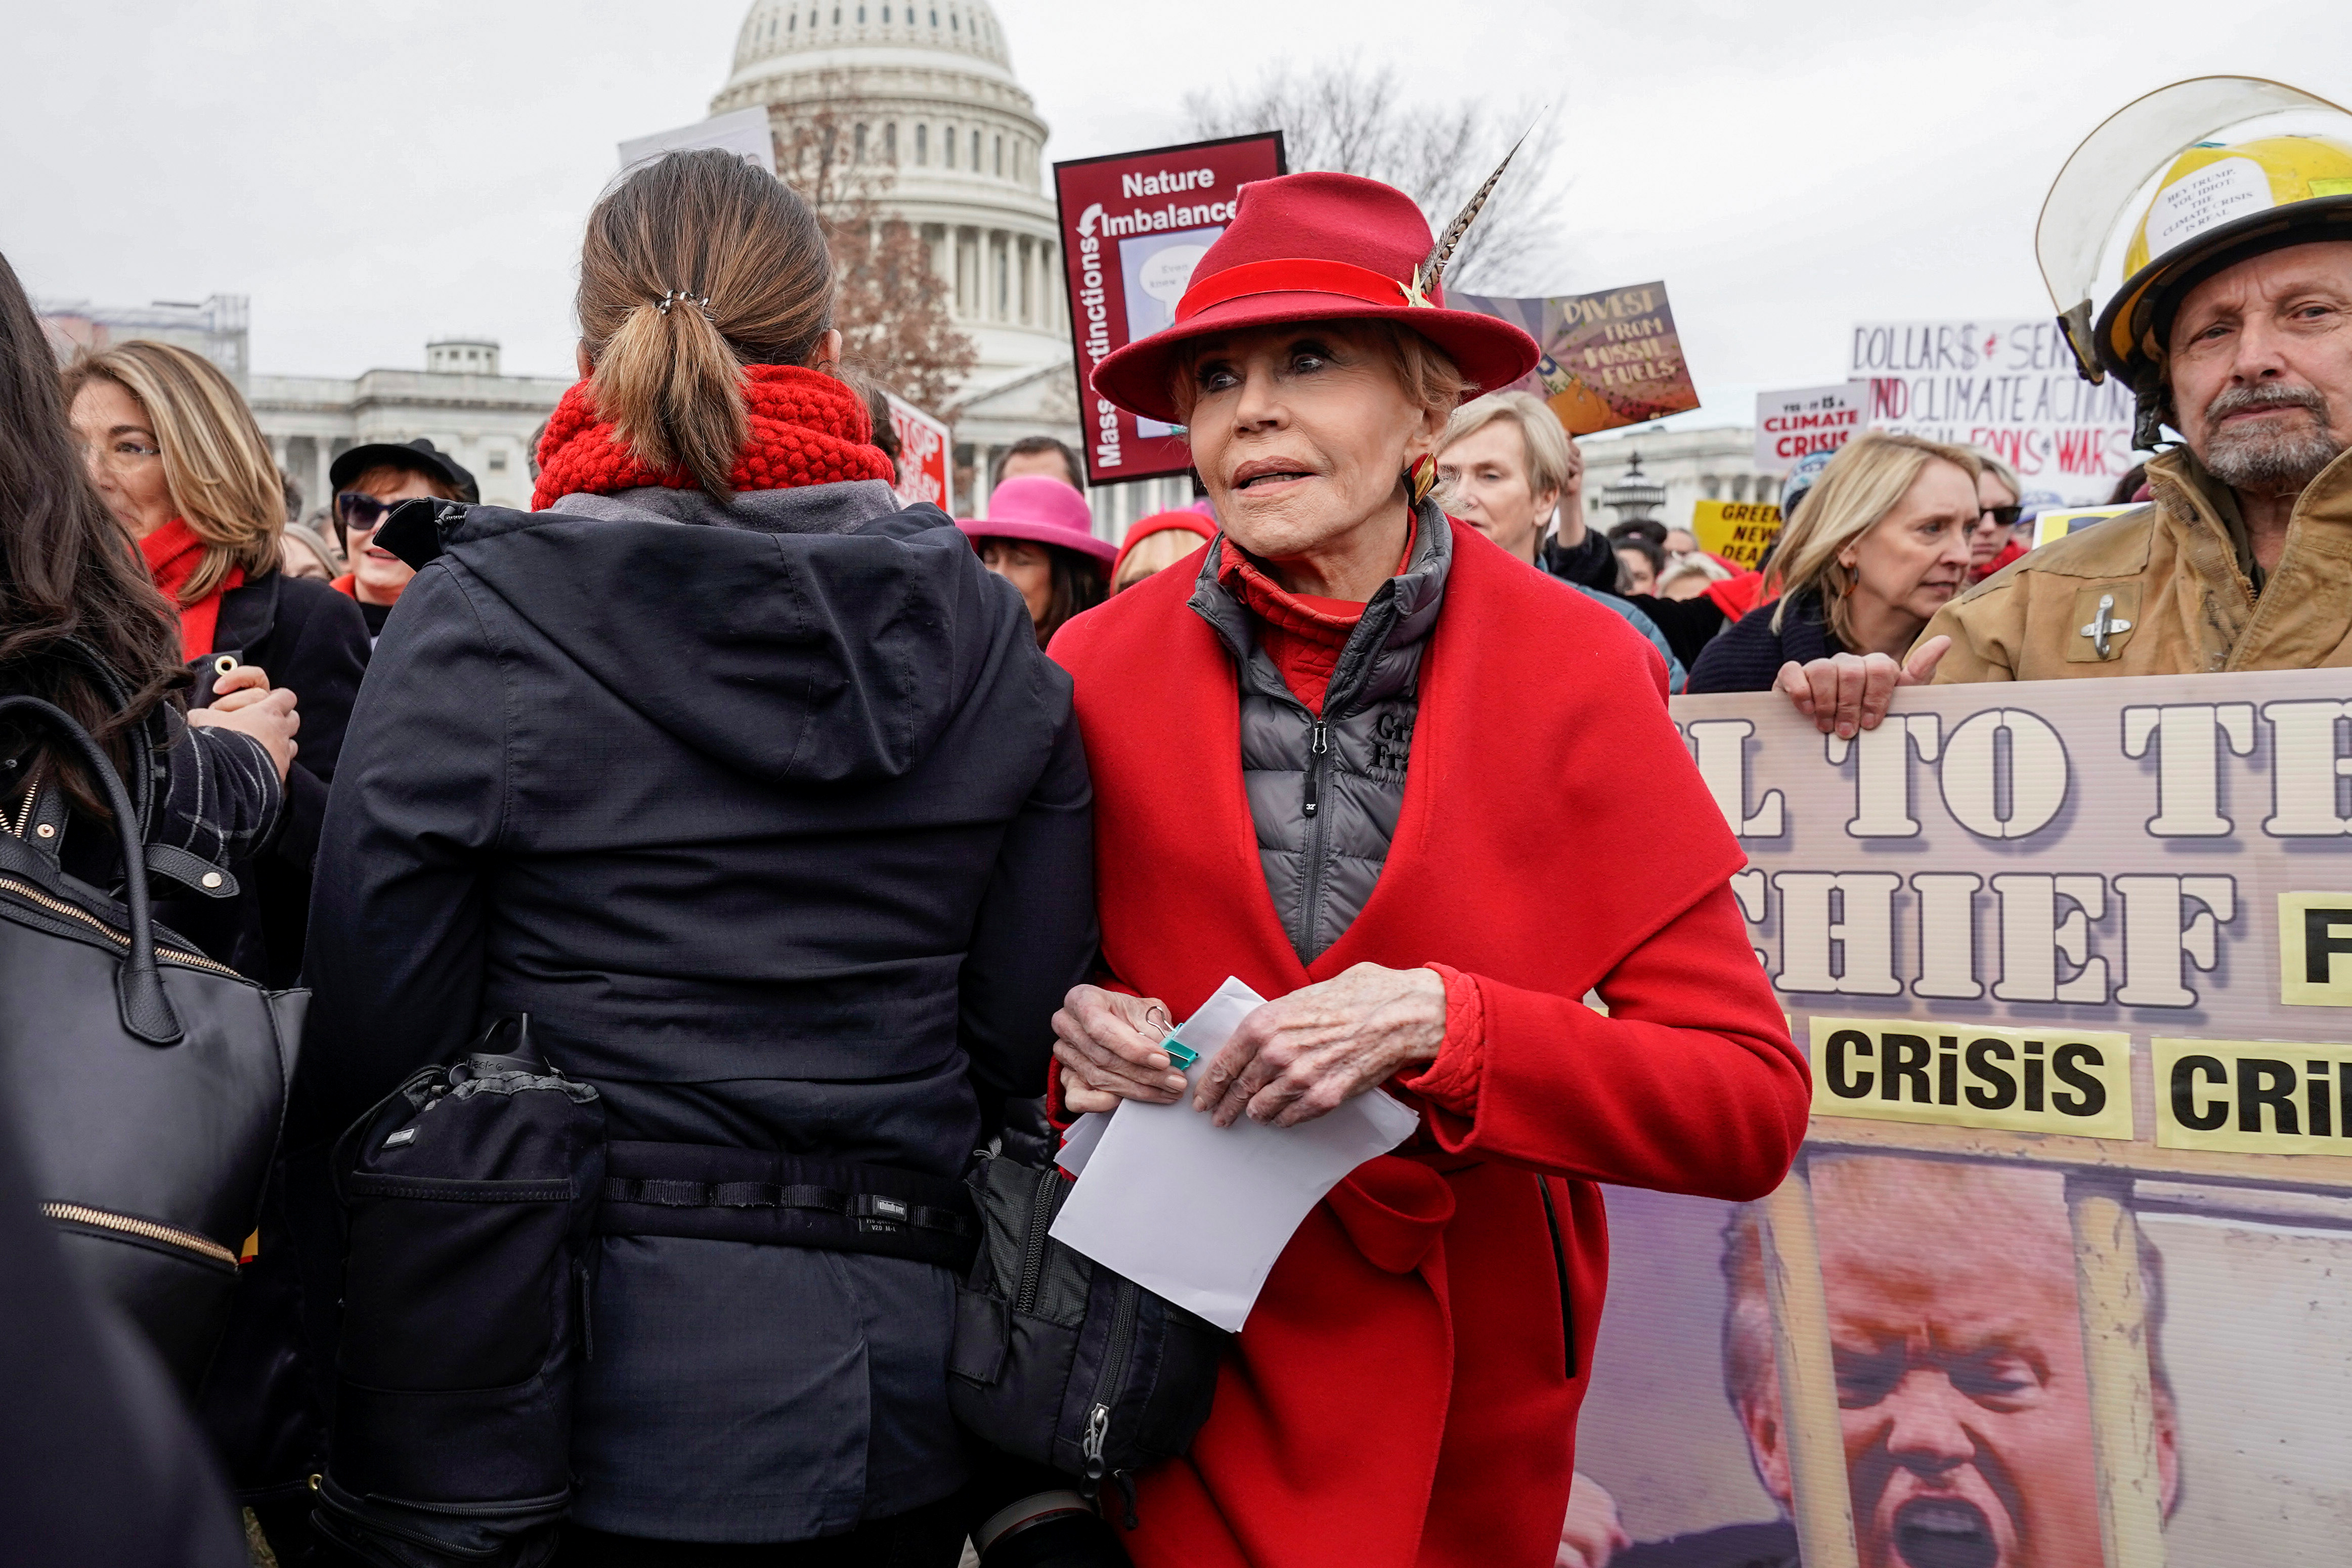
(1992,543)
(369,481)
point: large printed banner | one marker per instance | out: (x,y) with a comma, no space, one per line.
(1134,225)
(2008,387)
(1609,359)
(2047,944)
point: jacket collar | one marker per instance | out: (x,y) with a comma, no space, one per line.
(1400,614)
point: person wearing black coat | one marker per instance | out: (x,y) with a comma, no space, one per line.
(1749,653)
(754,792)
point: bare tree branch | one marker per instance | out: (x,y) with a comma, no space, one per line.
(1345,117)
(891,305)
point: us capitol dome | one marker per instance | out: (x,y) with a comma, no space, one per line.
(928,88)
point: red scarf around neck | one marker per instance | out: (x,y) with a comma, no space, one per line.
(1304,634)
(173,552)
(807,428)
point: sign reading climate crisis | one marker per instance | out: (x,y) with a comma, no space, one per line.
(1134,225)
(2111,909)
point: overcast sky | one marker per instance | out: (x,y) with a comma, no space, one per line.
(376,174)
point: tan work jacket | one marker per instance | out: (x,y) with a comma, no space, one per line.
(2171,570)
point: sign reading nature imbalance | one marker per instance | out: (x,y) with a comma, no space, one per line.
(1134,225)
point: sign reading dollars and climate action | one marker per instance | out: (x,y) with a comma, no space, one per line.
(2072,962)
(922,454)
(1609,359)
(2008,387)
(1134,225)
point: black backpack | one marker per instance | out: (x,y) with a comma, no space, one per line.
(468,1197)
(1059,1360)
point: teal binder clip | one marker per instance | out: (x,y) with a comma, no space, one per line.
(1182,1054)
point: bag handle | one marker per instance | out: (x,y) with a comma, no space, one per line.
(138,744)
(138,983)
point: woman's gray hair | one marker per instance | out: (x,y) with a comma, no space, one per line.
(1549,452)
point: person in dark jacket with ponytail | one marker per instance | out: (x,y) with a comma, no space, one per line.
(755,792)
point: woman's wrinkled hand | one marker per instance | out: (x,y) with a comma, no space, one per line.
(1848,691)
(269,716)
(1300,1057)
(1108,1046)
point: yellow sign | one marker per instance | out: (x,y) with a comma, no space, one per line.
(2315,950)
(1736,530)
(2253,1097)
(2058,524)
(1972,1074)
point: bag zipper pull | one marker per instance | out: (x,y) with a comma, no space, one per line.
(1090,1447)
(1320,745)
(1125,1482)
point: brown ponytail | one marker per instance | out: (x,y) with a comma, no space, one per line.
(696,266)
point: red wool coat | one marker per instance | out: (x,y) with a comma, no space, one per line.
(1400,1395)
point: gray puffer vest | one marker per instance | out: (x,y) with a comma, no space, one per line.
(1324,792)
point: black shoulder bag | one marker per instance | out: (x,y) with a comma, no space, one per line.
(152,1080)
(1063,1363)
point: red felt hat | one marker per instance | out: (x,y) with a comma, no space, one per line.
(1315,247)
(1143,527)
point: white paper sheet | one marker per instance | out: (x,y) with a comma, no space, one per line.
(1199,1213)
(1078,1143)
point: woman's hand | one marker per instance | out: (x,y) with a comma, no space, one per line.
(1849,691)
(267,716)
(242,686)
(1319,1047)
(1108,1046)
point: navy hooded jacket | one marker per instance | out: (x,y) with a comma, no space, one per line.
(776,821)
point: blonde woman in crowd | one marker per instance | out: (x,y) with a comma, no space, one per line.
(176,457)
(1881,545)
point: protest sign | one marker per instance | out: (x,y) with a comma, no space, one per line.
(1739,532)
(2060,522)
(1134,225)
(923,450)
(2008,387)
(2073,962)
(1609,359)
(1808,419)
(742,132)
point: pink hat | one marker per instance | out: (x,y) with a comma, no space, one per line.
(1046,510)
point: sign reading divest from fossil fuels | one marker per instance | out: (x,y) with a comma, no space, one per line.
(2105,908)
(1609,359)
(1134,225)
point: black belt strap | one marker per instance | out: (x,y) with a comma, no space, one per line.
(751,1196)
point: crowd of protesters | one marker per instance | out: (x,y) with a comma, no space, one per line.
(823,836)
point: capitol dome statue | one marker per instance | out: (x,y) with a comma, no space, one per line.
(928,89)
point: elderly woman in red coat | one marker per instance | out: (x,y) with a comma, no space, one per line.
(1428,798)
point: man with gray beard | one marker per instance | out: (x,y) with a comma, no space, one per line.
(2232,328)
(2243,560)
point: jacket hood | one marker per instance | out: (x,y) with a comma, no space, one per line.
(811,635)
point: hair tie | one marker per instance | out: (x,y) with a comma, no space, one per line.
(682,296)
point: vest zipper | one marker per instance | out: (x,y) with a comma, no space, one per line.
(33,895)
(1108,1385)
(146,1229)
(1318,752)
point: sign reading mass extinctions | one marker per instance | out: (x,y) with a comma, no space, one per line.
(1134,225)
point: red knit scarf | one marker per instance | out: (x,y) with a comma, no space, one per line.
(1304,634)
(806,429)
(173,552)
